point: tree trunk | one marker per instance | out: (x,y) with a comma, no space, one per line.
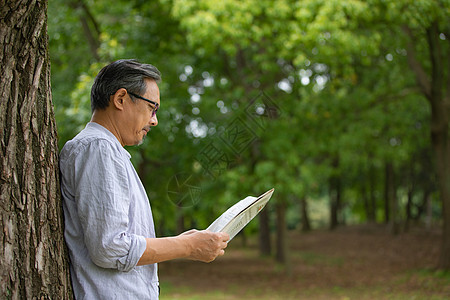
(372,201)
(440,110)
(408,209)
(369,197)
(429,211)
(265,248)
(243,237)
(90,27)
(433,86)
(180,219)
(365,199)
(281,254)
(335,196)
(264,240)
(306,224)
(392,199)
(33,257)
(387,184)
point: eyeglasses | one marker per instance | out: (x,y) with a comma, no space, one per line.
(149,101)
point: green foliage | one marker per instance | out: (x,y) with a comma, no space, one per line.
(335,73)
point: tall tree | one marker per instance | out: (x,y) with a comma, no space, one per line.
(32,255)
(433,89)
(430,66)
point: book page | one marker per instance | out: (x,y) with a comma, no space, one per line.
(239,215)
(230,213)
(241,220)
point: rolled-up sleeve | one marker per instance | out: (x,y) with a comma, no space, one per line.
(102,196)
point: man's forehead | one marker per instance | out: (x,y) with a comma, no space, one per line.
(152,90)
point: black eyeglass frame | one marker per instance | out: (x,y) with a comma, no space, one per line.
(148,100)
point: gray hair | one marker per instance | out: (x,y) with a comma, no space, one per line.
(125,73)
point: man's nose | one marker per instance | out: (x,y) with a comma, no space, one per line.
(154,121)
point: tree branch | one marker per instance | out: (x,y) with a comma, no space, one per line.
(421,76)
(92,35)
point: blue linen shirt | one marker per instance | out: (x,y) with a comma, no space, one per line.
(107,217)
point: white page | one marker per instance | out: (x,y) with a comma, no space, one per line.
(239,215)
(230,213)
(241,220)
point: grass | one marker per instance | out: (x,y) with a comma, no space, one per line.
(427,279)
(336,292)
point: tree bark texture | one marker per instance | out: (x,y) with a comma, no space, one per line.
(33,257)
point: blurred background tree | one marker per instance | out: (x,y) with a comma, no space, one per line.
(342,106)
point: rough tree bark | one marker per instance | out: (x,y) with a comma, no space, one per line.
(33,256)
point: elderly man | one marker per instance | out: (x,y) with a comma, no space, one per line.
(109,227)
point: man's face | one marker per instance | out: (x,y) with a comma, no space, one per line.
(139,117)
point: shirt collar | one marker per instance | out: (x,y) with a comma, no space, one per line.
(109,135)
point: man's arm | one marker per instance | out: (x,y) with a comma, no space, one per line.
(196,245)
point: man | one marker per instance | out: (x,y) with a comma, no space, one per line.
(108,221)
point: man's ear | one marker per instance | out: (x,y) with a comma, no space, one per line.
(118,98)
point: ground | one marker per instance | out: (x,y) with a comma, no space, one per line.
(362,262)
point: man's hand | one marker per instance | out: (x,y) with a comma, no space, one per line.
(193,244)
(205,245)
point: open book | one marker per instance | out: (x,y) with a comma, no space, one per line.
(239,215)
